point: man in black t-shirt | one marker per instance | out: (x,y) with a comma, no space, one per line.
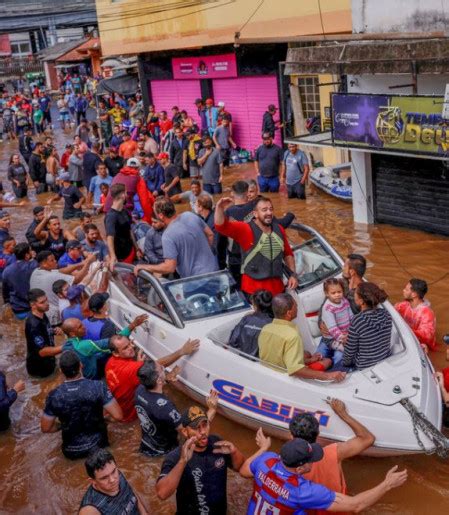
(119,237)
(41,350)
(38,216)
(197,471)
(160,421)
(73,198)
(79,404)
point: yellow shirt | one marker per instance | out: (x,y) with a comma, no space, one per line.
(281,345)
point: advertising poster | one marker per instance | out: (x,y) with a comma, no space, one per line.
(412,124)
(207,67)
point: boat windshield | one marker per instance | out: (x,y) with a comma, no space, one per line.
(205,296)
(314,263)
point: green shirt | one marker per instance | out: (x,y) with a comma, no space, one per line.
(281,346)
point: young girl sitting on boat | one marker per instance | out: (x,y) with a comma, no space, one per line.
(335,318)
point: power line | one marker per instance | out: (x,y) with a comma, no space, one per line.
(251,17)
(321,17)
(141,11)
(169,19)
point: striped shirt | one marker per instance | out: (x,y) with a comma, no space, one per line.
(337,318)
(369,339)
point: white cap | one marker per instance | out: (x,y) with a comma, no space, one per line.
(133,162)
(221,104)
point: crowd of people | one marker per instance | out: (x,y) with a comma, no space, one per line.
(129,168)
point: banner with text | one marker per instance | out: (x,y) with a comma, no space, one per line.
(412,124)
(210,67)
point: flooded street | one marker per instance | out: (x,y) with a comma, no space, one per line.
(36,478)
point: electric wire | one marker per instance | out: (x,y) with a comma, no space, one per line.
(251,16)
(168,19)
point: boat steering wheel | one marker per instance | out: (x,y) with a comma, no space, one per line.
(203,298)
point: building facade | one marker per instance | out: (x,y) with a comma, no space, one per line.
(227,50)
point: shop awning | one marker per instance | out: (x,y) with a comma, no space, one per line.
(370,57)
(123,84)
(324,139)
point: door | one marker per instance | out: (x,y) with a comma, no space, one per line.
(182,93)
(411,192)
(247,99)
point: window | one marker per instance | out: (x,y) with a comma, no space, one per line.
(310,96)
(142,293)
(20,49)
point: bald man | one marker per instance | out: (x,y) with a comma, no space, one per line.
(93,354)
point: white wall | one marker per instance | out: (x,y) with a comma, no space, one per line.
(400,15)
(431,84)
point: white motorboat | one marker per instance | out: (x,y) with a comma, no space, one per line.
(335,180)
(392,399)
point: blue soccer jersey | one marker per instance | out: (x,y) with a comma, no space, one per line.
(279,492)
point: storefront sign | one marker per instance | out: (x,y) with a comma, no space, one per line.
(411,124)
(210,67)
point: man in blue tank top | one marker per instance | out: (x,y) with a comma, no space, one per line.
(109,491)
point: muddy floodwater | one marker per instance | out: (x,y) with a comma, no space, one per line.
(36,478)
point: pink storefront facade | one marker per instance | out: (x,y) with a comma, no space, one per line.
(246,81)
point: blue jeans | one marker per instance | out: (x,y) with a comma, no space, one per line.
(270,184)
(213,189)
(326,351)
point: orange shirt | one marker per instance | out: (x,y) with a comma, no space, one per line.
(327,472)
(127,149)
(122,381)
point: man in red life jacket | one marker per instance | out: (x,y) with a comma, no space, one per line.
(134,184)
(264,247)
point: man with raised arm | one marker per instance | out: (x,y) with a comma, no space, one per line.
(264,245)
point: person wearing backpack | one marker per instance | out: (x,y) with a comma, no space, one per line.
(294,173)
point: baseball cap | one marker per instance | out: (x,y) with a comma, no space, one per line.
(133,162)
(162,155)
(298,452)
(193,416)
(65,176)
(3,213)
(37,210)
(221,104)
(73,244)
(209,101)
(75,291)
(272,107)
(97,301)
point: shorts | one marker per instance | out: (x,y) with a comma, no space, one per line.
(194,170)
(213,189)
(296,190)
(64,117)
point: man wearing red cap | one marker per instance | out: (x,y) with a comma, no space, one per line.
(211,116)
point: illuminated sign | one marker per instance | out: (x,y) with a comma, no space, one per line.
(412,124)
(206,67)
(235,394)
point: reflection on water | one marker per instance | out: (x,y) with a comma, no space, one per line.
(35,477)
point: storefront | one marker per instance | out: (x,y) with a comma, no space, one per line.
(245,79)
(399,151)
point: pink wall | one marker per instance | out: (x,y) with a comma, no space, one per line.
(247,98)
(182,93)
